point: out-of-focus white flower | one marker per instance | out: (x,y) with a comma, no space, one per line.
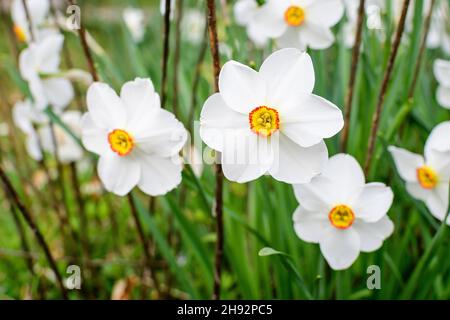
(138,141)
(442,74)
(68,149)
(342,213)
(38,64)
(135,21)
(25,115)
(245,12)
(38,10)
(269,121)
(427,178)
(299,23)
(193,26)
(78,75)
(193,157)
(33,145)
(162,8)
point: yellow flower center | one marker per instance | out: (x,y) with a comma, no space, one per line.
(20,33)
(294,16)
(427,177)
(341,216)
(264,120)
(121,142)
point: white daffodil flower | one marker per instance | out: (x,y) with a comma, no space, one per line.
(246,14)
(39,66)
(269,121)
(299,23)
(427,178)
(342,213)
(135,21)
(193,26)
(138,141)
(68,149)
(38,10)
(442,74)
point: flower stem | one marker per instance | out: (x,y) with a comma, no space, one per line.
(213,41)
(30,22)
(384,86)
(166,38)
(176,59)
(353,71)
(29,220)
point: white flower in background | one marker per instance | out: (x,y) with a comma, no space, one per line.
(38,10)
(68,148)
(193,156)
(135,21)
(442,74)
(162,8)
(300,23)
(269,121)
(39,66)
(342,213)
(25,115)
(427,178)
(138,141)
(437,35)
(193,26)
(246,14)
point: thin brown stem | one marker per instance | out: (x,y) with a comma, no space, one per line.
(384,86)
(176,58)
(214,44)
(86,50)
(166,47)
(34,228)
(423,44)
(353,72)
(30,22)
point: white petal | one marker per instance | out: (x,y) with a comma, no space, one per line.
(291,39)
(346,176)
(164,135)
(373,234)
(312,120)
(270,19)
(159,175)
(289,75)
(325,12)
(310,227)
(340,247)
(255,34)
(416,191)
(437,201)
(295,164)
(138,98)
(105,107)
(319,195)
(315,36)
(33,147)
(442,72)
(118,174)
(216,119)
(373,202)
(59,92)
(406,163)
(241,87)
(246,156)
(439,138)
(443,96)
(94,138)
(243,11)
(48,53)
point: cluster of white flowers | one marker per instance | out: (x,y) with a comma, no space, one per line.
(292,23)
(39,64)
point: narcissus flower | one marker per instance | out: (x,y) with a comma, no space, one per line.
(247,13)
(442,74)
(138,141)
(39,65)
(68,149)
(193,26)
(427,178)
(299,23)
(342,213)
(269,121)
(38,10)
